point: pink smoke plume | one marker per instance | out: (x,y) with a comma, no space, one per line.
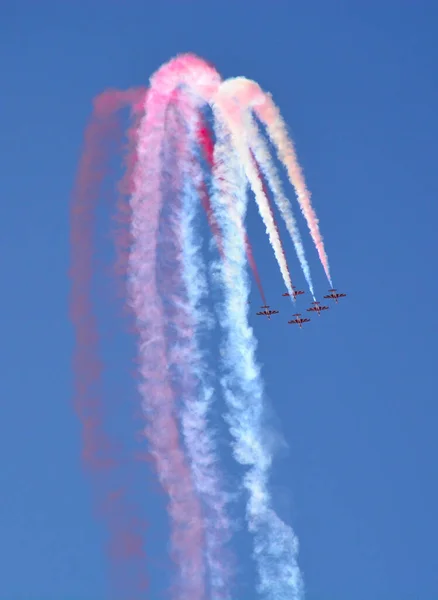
(100,455)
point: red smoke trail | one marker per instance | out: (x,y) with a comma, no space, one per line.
(207,144)
(99,453)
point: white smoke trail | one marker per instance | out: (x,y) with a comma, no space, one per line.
(270,115)
(158,398)
(249,94)
(263,157)
(229,112)
(200,442)
(275,544)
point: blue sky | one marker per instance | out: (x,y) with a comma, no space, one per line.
(354,393)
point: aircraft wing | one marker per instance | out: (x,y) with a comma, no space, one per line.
(274,312)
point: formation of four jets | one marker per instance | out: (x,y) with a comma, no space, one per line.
(317,308)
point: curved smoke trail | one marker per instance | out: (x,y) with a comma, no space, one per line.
(229,111)
(250,94)
(158,397)
(258,146)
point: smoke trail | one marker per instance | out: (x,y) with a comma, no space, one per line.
(198,322)
(99,454)
(266,193)
(270,115)
(182,283)
(123,215)
(159,400)
(251,95)
(275,545)
(207,144)
(228,110)
(200,442)
(261,152)
(161,257)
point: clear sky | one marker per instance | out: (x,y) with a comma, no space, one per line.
(354,393)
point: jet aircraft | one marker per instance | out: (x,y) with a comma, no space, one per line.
(298,321)
(267,312)
(317,308)
(334,295)
(295,292)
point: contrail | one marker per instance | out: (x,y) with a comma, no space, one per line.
(275,544)
(250,94)
(229,111)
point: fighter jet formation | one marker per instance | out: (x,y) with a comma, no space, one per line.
(315,308)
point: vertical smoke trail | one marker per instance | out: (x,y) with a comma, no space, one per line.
(188,319)
(229,111)
(261,152)
(201,443)
(122,216)
(158,396)
(99,455)
(275,545)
